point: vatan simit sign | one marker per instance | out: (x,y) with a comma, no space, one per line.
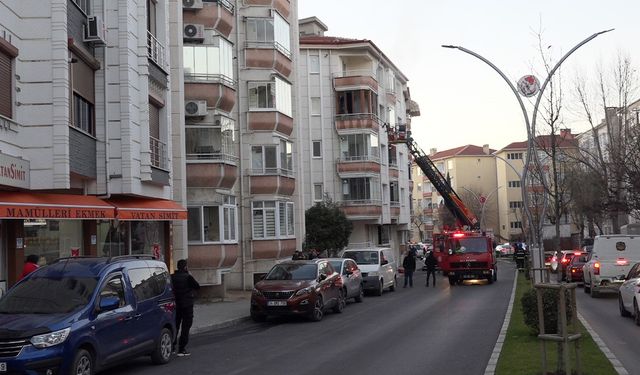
(14,172)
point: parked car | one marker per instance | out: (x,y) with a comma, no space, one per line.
(378,265)
(611,259)
(504,250)
(629,294)
(298,287)
(563,260)
(80,315)
(573,272)
(548,258)
(350,278)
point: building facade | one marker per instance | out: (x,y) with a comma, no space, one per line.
(350,95)
(85,135)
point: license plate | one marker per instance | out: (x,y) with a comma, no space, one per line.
(3,366)
(276,303)
(469,277)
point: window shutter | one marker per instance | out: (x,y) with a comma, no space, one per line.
(154,121)
(6,87)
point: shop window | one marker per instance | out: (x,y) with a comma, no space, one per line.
(52,239)
(131,237)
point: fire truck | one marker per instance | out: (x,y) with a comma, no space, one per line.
(465,253)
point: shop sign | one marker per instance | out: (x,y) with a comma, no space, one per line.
(14,171)
(54,212)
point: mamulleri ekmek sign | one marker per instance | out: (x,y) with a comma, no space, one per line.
(14,172)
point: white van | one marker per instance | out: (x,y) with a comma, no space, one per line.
(611,259)
(378,265)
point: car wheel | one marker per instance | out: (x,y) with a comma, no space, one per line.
(593,292)
(392,288)
(452,280)
(495,274)
(623,311)
(257,317)
(318,310)
(636,313)
(162,353)
(339,307)
(360,295)
(82,363)
(378,292)
(587,287)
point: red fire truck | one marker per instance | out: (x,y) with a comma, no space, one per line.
(465,253)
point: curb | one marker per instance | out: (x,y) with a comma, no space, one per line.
(221,325)
(603,347)
(493,361)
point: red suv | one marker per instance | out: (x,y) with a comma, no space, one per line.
(298,287)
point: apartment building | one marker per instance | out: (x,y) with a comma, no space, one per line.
(85,167)
(422,208)
(350,93)
(238,72)
(471,171)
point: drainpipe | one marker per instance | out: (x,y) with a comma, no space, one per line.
(107,193)
(241,241)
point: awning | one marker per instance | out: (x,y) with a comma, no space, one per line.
(33,205)
(147,209)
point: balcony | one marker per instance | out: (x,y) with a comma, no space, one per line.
(427,194)
(273,181)
(213,256)
(156,52)
(394,208)
(357,121)
(211,174)
(273,249)
(270,120)
(364,209)
(355,80)
(282,6)
(217,15)
(394,172)
(358,165)
(268,55)
(217,93)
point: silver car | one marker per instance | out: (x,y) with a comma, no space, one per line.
(351,277)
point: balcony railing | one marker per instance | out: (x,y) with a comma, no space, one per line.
(355,73)
(358,116)
(158,153)
(394,203)
(156,51)
(362,202)
(271,172)
(208,78)
(213,156)
(358,158)
(228,5)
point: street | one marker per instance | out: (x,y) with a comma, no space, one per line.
(620,334)
(441,330)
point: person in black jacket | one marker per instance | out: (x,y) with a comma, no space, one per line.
(431,262)
(409,264)
(184,286)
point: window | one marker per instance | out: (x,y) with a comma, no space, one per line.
(83,114)
(514,156)
(317,149)
(265,225)
(6,84)
(356,102)
(514,184)
(356,147)
(393,156)
(286,155)
(264,159)
(204,141)
(274,31)
(516,225)
(515,204)
(158,147)
(84,5)
(391,82)
(360,189)
(318,192)
(271,95)
(148,282)
(213,62)
(114,288)
(213,224)
(151,16)
(314,64)
(394,197)
(315,106)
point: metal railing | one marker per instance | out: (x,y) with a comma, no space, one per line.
(362,202)
(356,73)
(358,116)
(158,153)
(271,172)
(228,5)
(358,158)
(209,78)
(394,203)
(156,51)
(212,156)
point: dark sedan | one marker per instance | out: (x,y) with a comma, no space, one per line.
(298,287)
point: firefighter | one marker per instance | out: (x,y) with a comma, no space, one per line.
(519,255)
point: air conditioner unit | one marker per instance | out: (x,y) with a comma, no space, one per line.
(191,4)
(195,108)
(95,32)
(193,31)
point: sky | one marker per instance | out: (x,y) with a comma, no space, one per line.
(462,100)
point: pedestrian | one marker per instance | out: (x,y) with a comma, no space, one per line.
(297,255)
(430,262)
(30,265)
(184,287)
(409,264)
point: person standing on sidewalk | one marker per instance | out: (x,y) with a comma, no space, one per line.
(409,264)
(431,262)
(184,286)
(30,265)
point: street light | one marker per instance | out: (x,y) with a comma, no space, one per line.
(537,237)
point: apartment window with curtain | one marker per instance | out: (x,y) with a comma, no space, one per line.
(211,62)
(83,95)
(151,16)
(272,219)
(274,95)
(214,223)
(6,83)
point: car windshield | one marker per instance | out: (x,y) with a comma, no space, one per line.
(470,245)
(363,257)
(336,264)
(293,272)
(44,295)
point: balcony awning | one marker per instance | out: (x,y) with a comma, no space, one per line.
(144,209)
(33,205)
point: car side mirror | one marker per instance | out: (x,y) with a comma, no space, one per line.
(109,303)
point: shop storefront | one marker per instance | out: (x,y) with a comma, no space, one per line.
(54,226)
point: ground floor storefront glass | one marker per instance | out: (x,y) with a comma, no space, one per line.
(52,239)
(131,238)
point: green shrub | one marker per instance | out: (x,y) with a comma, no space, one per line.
(550,307)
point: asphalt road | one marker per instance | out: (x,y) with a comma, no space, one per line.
(419,330)
(620,334)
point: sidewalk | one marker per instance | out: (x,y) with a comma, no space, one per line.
(221,313)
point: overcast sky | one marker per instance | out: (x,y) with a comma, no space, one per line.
(462,100)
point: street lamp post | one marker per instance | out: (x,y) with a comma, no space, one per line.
(535,237)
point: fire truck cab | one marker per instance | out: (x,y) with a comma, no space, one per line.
(465,255)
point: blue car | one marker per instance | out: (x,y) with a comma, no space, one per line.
(80,315)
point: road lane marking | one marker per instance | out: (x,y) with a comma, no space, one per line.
(493,361)
(617,365)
